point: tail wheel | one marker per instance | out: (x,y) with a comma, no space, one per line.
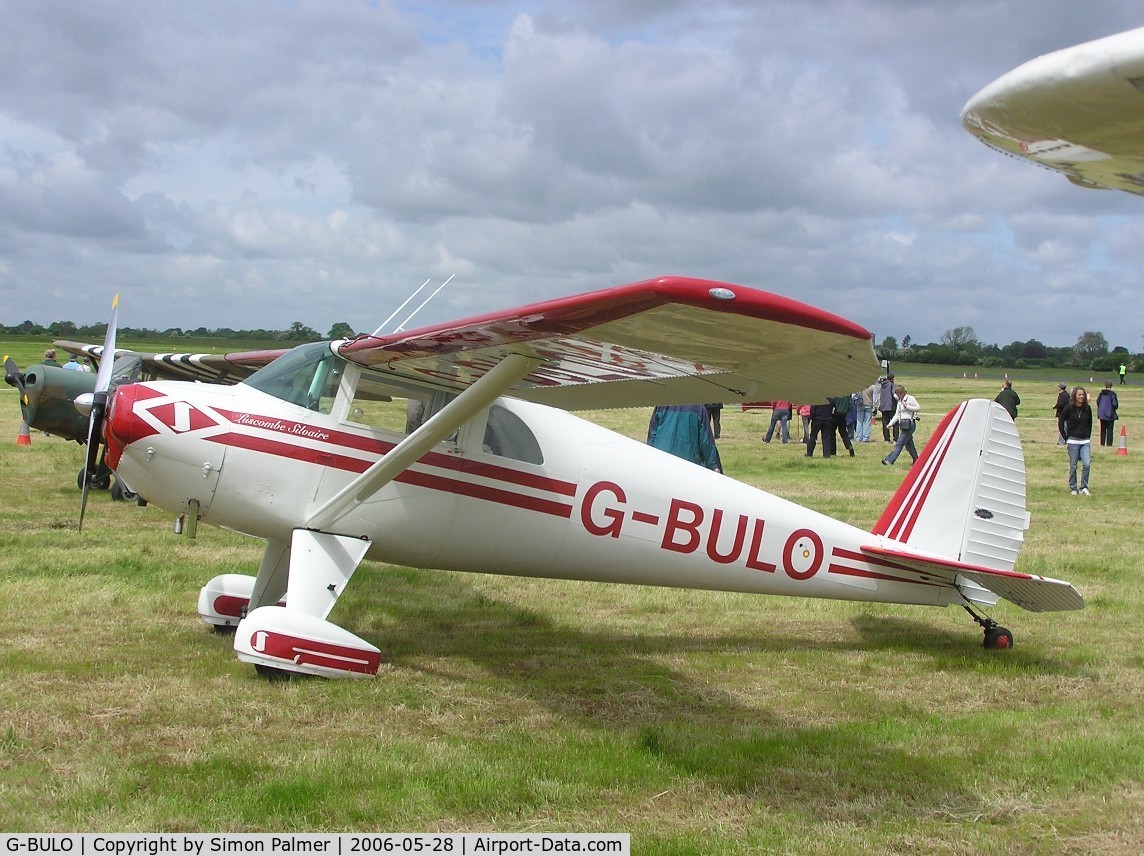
(998,638)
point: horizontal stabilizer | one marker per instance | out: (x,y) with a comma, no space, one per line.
(1028,591)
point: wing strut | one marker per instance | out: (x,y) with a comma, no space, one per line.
(480,395)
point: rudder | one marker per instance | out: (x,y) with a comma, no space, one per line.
(964,499)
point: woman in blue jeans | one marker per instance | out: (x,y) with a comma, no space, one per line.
(1075,425)
(906,418)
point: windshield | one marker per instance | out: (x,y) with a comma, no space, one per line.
(307,376)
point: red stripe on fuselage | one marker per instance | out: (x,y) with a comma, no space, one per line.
(373,446)
(347,463)
(491,494)
(870,562)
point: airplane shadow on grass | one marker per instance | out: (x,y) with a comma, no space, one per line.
(617,681)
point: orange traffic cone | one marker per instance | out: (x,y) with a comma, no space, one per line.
(1122,449)
(24,438)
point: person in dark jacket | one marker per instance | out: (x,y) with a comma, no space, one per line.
(1062,402)
(842,408)
(887,405)
(1008,398)
(821,423)
(714,410)
(1106,406)
(1075,425)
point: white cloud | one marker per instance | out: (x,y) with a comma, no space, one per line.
(253,165)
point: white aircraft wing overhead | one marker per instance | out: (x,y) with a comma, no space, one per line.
(209,368)
(1079,111)
(671,340)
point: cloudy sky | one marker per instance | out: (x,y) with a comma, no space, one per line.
(251,164)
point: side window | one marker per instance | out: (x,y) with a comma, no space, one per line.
(506,435)
(388,408)
(378,410)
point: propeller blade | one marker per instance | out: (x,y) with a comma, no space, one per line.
(99,406)
(12,374)
(107,358)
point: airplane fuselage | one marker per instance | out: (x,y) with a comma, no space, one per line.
(585,503)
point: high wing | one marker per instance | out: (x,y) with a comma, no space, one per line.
(671,340)
(209,368)
(1079,111)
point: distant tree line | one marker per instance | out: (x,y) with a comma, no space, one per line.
(960,346)
(298,332)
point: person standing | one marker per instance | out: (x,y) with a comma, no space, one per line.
(842,405)
(1008,398)
(684,430)
(1075,424)
(714,411)
(821,423)
(804,418)
(866,412)
(1122,371)
(1062,402)
(780,416)
(1106,406)
(50,357)
(906,419)
(887,406)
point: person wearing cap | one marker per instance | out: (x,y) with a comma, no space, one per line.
(887,406)
(1062,403)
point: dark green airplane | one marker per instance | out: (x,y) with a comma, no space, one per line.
(57,401)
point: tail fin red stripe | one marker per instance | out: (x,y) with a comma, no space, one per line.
(898,520)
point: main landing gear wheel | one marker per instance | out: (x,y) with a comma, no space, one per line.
(100,481)
(122,493)
(997,638)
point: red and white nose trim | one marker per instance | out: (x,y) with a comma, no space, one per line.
(124,426)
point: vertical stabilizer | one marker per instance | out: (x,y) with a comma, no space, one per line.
(964,499)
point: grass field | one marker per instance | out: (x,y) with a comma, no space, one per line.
(700,722)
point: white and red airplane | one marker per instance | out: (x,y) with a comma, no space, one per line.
(496,476)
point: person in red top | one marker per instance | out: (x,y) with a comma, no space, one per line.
(780,415)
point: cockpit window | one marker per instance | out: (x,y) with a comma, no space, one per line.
(507,435)
(307,376)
